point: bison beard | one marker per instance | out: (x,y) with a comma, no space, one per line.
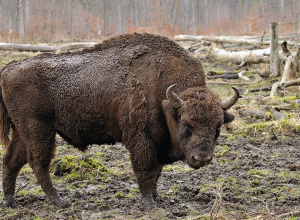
(119,91)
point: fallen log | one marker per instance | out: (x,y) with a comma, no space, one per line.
(220,39)
(46,48)
(290,214)
(240,74)
(280,85)
(232,76)
(241,57)
(232,40)
(197,45)
(295,82)
(266,115)
(260,89)
(227,83)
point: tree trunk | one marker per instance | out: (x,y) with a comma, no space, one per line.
(0,15)
(136,12)
(119,16)
(198,16)
(27,15)
(104,18)
(274,61)
(174,14)
(295,17)
(21,28)
(206,14)
(159,21)
(145,12)
(193,18)
(186,17)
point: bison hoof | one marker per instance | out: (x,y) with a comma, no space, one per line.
(61,203)
(148,204)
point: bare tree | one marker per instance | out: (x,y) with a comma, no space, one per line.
(20,11)
(120,16)
(206,14)
(47,20)
(104,18)
(295,18)
(136,12)
(186,16)
(0,8)
(160,12)
(174,11)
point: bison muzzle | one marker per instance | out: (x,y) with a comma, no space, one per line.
(139,89)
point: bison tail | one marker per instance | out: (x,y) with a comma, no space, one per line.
(5,122)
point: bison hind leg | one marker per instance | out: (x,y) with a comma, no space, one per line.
(14,158)
(40,141)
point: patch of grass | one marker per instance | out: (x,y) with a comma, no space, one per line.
(207,187)
(175,189)
(37,191)
(118,195)
(134,191)
(26,170)
(228,180)
(15,56)
(74,168)
(224,150)
(1,152)
(176,168)
(258,173)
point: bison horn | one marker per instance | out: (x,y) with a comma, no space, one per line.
(173,97)
(228,103)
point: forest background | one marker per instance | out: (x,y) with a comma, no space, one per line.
(34,21)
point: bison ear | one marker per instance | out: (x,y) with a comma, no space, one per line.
(228,117)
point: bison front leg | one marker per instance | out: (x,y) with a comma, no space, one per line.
(13,160)
(147,184)
(147,171)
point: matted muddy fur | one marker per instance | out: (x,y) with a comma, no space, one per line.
(114,92)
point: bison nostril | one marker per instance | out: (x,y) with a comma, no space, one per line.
(196,157)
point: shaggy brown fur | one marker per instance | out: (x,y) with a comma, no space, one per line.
(114,92)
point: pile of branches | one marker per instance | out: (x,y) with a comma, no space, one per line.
(255,50)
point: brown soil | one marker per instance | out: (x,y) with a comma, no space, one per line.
(248,178)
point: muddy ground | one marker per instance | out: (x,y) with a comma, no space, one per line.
(255,175)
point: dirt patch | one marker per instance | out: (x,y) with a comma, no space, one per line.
(247,178)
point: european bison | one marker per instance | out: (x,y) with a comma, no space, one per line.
(122,90)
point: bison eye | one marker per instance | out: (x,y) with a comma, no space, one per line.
(186,131)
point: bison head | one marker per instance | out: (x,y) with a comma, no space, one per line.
(194,120)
